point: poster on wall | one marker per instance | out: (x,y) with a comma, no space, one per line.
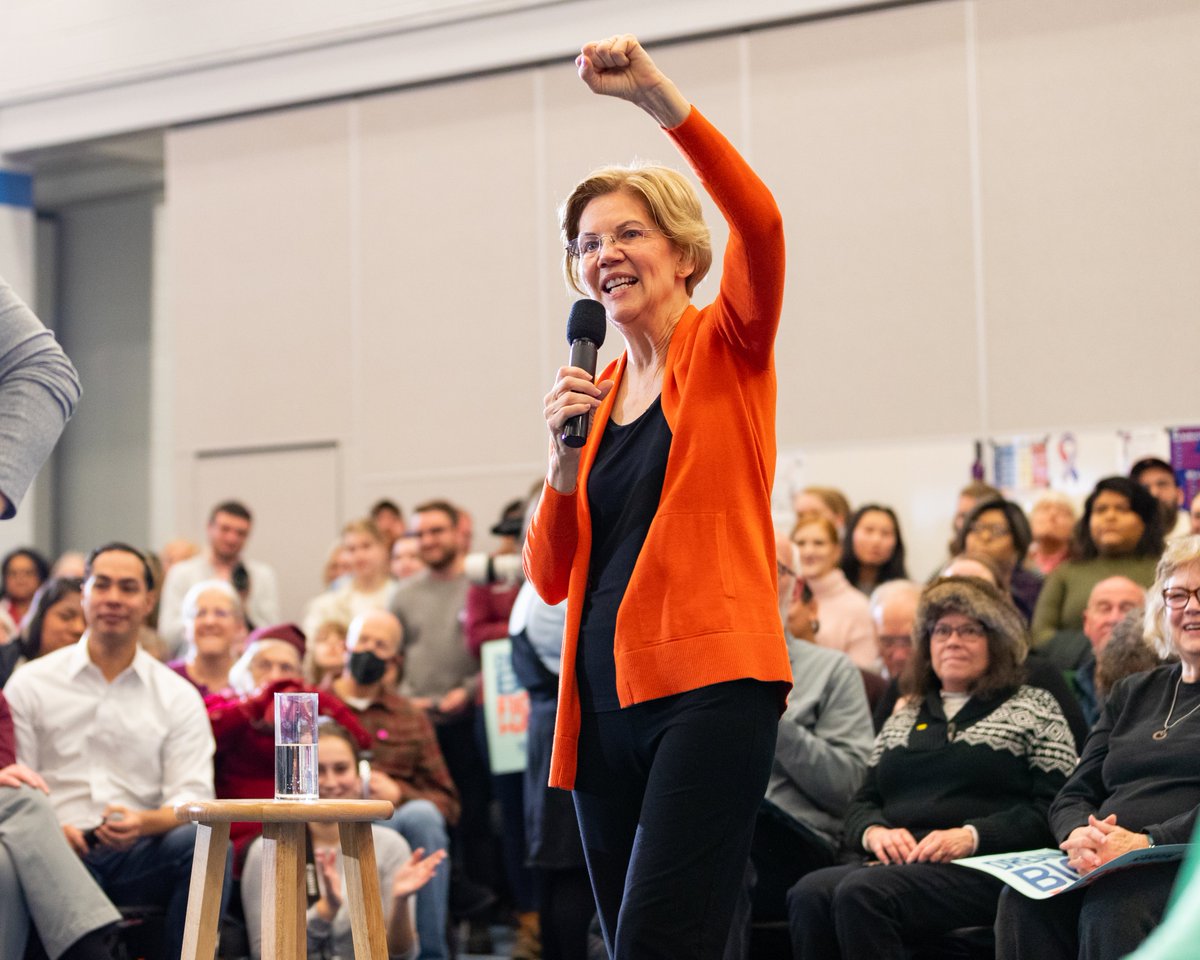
(1185,460)
(1021,464)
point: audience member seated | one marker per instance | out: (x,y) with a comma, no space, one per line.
(1126,653)
(406,558)
(41,878)
(969,766)
(388,519)
(827,502)
(998,528)
(1194,513)
(119,740)
(973,493)
(370,585)
(325,655)
(1050,522)
(873,550)
(229,526)
(176,551)
(1074,652)
(1136,785)
(407,768)
(894,611)
(821,756)
(244,723)
(1159,479)
(55,620)
(21,573)
(402,872)
(1119,533)
(844,613)
(491,596)
(215,627)
(69,564)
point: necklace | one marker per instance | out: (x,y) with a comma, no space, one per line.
(1167,724)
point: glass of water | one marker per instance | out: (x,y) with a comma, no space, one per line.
(295,746)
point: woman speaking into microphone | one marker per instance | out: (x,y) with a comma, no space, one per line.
(658,533)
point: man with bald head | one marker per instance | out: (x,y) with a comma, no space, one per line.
(1107,605)
(407,768)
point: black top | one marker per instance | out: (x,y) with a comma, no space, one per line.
(996,766)
(1151,785)
(624,488)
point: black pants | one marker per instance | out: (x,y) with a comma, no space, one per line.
(1103,921)
(878,912)
(666,794)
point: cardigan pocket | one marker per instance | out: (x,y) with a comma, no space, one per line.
(683,584)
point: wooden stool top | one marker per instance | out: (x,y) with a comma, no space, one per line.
(283,811)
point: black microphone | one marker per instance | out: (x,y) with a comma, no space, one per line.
(586,327)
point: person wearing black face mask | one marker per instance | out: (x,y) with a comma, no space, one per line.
(407,768)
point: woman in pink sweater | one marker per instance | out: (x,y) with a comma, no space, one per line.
(844,613)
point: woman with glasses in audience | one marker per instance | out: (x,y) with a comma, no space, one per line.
(55,620)
(1137,785)
(658,531)
(999,529)
(214,627)
(873,550)
(968,766)
(1120,532)
(844,614)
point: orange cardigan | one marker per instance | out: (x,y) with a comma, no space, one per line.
(701,605)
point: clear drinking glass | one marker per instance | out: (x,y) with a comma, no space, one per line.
(295,746)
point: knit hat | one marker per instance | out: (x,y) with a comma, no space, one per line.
(287,632)
(978,600)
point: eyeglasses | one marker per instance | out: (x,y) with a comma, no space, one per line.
(968,631)
(784,570)
(989,531)
(588,245)
(1177,597)
(887,641)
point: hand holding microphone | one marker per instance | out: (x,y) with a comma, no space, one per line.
(574,396)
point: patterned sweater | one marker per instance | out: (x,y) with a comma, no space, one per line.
(996,766)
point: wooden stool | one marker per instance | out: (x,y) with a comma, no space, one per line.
(283,897)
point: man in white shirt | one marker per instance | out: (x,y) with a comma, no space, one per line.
(119,740)
(229,526)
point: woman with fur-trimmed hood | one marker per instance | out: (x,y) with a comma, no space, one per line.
(968,766)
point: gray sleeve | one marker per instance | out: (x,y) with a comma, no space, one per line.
(252,897)
(828,762)
(38,392)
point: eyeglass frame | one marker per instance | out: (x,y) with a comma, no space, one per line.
(576,253)
(965,631)
(990,531)
(1186,600)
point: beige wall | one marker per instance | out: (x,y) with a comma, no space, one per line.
(991,213)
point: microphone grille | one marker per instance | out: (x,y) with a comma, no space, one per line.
(587,322)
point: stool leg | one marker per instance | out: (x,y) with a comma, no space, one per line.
(362,890)
(204,893)
(284,934)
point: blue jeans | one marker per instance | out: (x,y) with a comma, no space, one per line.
(155,870)
(421,823)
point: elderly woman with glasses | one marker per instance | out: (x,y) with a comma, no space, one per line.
(658,530)
(968,765)
(1137,785)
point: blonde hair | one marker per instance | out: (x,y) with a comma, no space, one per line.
(1179,553)
(308,664)
(365,525)
(670,200)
